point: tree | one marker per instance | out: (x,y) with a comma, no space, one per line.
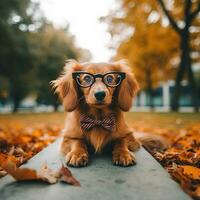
(186,12)
(32,52)
(133,17)
(151,60)
(55,47)
(15,53)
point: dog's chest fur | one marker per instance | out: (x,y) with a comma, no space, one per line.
(98,137)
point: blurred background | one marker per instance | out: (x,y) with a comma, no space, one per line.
(159,38)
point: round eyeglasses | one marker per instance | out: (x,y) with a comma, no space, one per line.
(111,79)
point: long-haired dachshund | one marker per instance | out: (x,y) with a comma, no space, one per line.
(96,95)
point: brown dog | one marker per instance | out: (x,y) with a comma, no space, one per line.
(96,95)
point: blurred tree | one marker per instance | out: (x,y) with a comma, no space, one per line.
(3,89)
(137,31)
(150,59)
(32,52)
(183,17)
(16,24)
(142,34)
(55,46)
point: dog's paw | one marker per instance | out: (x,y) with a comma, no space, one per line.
(77,158)
(134,145)
(123,158)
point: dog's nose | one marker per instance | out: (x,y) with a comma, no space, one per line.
(100,95)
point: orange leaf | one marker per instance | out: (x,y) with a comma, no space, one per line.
(25,174)
(48,175)
(19,174)
(67,177)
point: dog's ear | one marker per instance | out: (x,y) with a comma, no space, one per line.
(128,88)
(66,87)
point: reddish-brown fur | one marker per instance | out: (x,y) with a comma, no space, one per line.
(80,100)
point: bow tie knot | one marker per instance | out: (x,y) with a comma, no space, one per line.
(88,123)
(98,122)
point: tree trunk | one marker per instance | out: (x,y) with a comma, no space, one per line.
(15,105)
(150,92)
(184,63)
(55,107)
(185,67)
(191,79)
(193,88)
(177,87)
(149,88)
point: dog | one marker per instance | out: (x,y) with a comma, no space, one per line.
(96,95)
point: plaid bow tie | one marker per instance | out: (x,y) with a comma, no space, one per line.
(88,123)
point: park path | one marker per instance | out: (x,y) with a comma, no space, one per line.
(100,181)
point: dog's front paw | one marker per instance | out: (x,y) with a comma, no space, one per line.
(77,158)
(123,158)
(133,145)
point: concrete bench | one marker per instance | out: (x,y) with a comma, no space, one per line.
(99,181)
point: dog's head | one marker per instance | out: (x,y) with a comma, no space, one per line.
(99,84)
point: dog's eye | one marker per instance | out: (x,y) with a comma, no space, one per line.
(109,79)
(87,79)
(112,79)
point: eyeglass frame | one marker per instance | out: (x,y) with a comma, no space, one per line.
(75,75)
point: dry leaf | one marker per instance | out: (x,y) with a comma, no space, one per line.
(48,175)
(19,174)
(25,174)
(67,177)
(191,172)
(44,174)
(189,179)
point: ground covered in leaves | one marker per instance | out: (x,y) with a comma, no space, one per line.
(181,135)
(24,135)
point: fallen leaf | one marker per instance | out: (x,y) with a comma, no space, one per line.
(25,174)
(67,177)
(188,177)
(44,174)
(191,172)
(19,174)
(48,175)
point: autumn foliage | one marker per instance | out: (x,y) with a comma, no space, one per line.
(159,38)
(182,157)
(182,161)
(19,142)
(22,137)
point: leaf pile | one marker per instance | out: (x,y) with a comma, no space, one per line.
(19,142)
(179,134)
(182,160)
